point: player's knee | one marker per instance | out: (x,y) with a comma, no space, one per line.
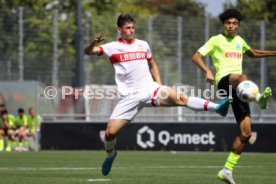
(242,78)
(182,100)
(245,136)
(110,133)
(247,133)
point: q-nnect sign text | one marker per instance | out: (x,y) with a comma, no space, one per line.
(147,138)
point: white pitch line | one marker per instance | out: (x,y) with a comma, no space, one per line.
(138,167)
(99,179)
(50,168)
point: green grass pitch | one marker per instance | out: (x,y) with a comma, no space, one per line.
(132,167)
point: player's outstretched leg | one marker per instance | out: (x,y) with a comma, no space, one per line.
(226,176)
(222,107)
(107,164)
(264,98)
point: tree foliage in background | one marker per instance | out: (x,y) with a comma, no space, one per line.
(8,35)
(101,16)
(258,10)
(179,8)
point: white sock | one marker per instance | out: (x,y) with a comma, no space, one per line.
(227,170)
(109,146)
(199,104)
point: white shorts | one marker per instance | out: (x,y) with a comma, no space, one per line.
(128,106)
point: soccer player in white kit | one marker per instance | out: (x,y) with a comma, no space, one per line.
(139,83)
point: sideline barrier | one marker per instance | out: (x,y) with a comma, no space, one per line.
(156,136)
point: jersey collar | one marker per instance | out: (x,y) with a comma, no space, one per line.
(231,38)
(123,41)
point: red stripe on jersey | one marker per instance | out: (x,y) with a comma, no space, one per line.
(128,56)
(101,51)
(153,96)
(206,105)
(150,59)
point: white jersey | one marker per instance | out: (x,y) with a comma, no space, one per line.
(130,61)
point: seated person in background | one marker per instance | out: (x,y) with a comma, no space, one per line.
(20,121)
(10,116)
(32,120)
(32,126)
(6,129)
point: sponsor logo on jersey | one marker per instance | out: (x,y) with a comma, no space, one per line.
(129,56)
(236,55)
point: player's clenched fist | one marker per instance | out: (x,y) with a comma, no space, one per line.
(99,38)
(91,49)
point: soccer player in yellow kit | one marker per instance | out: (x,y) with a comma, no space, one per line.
(226,51)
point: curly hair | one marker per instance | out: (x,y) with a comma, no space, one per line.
(230,13)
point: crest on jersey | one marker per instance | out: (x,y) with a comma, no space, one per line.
(238,47)
(141,48)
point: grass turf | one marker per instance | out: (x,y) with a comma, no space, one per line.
(132,167)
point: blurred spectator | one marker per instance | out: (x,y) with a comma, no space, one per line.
(32,127)
(10,116)
(32,119)
(6,129)
(20,121)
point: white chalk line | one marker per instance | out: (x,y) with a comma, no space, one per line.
(98,180)
(119,168)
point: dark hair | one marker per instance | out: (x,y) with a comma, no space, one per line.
(230,13)
(20,110)
(123,19)
(4,112)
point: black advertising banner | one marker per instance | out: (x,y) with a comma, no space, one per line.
(157,136)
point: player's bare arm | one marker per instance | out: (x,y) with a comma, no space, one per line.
(6,124)
(154,71)
(197,59)
(260,53)
(92,49)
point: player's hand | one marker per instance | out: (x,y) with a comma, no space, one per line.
(99,38)
(210,78)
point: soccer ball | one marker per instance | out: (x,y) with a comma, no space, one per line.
(247,91)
